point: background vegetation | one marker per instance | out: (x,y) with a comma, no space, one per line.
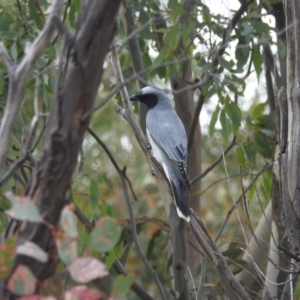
(224,67)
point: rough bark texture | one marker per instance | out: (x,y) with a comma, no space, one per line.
(289,159)
(75,95)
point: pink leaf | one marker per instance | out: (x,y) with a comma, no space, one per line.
(22,281)
(85,269)
(82,292)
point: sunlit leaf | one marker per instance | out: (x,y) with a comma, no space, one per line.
(85,269)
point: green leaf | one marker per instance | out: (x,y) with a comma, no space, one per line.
(23,208)
(105,235)
(152,243)
(257,60)
(234,113)
(226,64)
(224,123)
(206,15)
(67,250)
(94,193)
(247,29)
(242,53)
(259,110)
(7,254)
(240,153)
(110,259)
(122,285)
(213,121)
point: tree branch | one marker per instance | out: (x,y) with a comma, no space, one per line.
(232,287)
(138,65)
(19,74)
(75,95)
(99,141)
(141,139)
(195,121)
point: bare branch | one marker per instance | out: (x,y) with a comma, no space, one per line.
(195,121)
(19,74)
(141,139)
(137,243)
(232,287)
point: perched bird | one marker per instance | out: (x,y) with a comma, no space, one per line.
(168,141)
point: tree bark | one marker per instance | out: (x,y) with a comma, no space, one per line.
(185,107)
(75,94)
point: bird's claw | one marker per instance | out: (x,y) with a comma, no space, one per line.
(148,146)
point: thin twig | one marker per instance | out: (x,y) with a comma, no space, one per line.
(19,74)
(137,243)
(141,139)
(211,167)
(195,121)
(236,202)
(113,161)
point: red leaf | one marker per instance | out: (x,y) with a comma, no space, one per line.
(85,269)
(82,292)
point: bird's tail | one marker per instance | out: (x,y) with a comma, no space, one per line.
(181,200)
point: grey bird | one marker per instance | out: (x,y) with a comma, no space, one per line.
(168,141)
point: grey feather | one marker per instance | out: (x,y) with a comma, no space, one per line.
(168,140)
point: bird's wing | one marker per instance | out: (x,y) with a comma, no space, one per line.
(170,137)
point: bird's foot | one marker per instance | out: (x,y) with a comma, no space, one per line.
(148,146)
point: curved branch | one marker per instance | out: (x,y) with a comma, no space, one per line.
(100,142)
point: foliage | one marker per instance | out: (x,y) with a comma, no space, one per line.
(97,191)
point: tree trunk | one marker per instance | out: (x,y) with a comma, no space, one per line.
(290,130)
(75,94)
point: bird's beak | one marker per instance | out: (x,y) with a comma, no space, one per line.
(134,98)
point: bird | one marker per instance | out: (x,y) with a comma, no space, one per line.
(167,138)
